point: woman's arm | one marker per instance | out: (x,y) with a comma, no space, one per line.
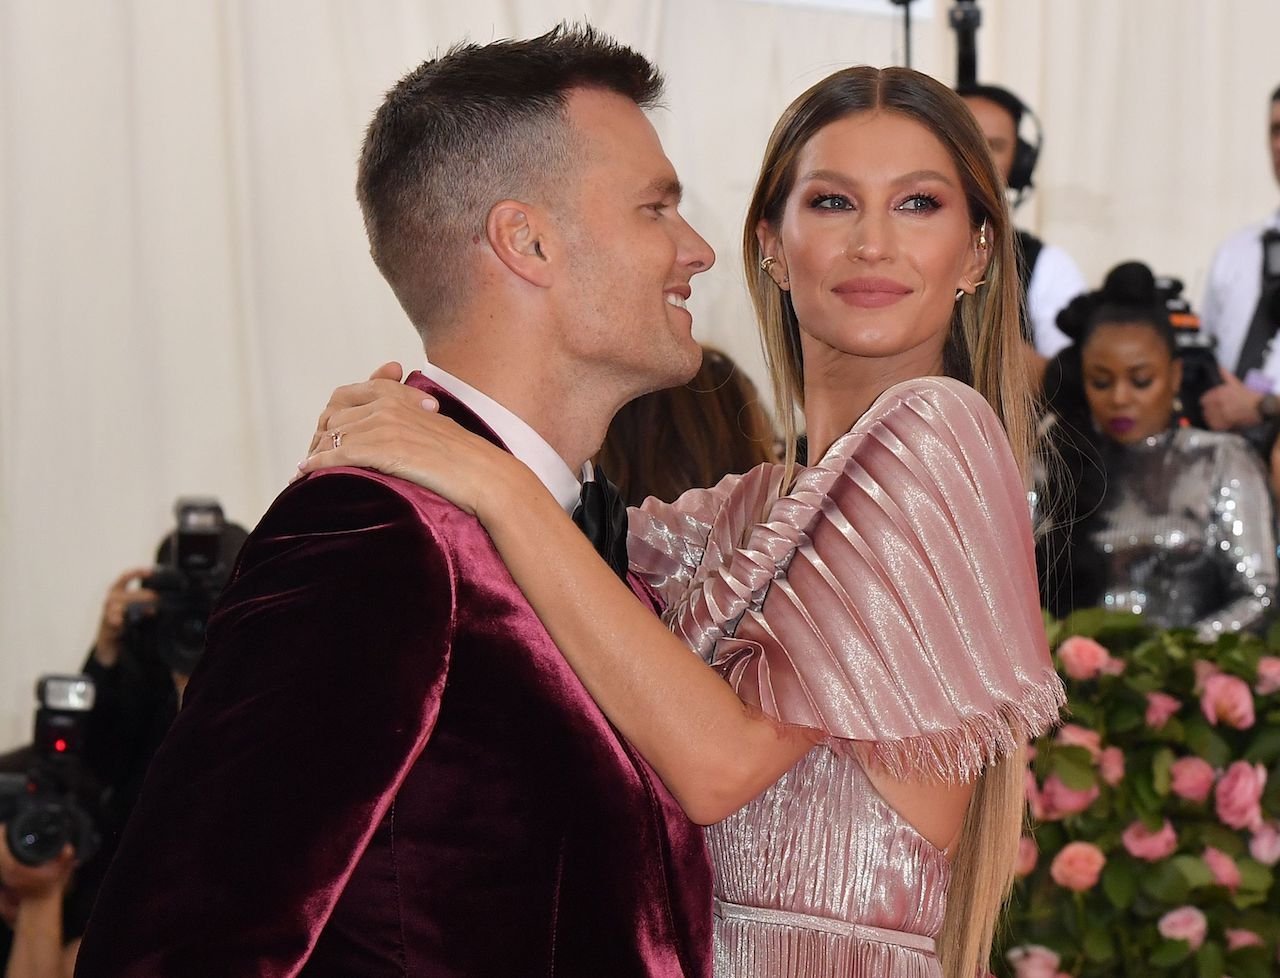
(713,752)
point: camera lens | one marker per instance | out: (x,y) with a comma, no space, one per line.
(38,834)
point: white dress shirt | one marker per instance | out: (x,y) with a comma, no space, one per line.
(1055,281)
(1231,297)
(525,443)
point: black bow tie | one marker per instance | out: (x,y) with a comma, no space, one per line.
(602,516)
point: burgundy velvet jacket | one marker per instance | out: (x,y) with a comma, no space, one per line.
(383,766)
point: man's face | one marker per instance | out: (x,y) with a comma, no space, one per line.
(631,254)
(1275,139)
(999,129)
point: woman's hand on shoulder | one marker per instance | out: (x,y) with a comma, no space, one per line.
(395,429)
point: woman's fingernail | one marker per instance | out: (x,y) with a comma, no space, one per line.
(430,403)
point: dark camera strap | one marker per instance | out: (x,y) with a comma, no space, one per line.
(1253,353)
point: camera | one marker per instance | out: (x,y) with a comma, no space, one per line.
(188,580)
(42,808)
(1197,351)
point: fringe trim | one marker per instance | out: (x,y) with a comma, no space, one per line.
(960,754)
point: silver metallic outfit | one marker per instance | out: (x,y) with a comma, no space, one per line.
(1186,532)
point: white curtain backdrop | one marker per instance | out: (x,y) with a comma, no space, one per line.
(184,274)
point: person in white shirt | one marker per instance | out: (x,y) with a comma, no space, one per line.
(1050,278)
(1248,355)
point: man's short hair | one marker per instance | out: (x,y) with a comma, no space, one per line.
(1275,96)
(461,132)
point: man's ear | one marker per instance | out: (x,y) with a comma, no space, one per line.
(519,236)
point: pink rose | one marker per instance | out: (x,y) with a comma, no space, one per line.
(1191,778)
(1074,735)
(1113,666)
(1239,937)
(1028,855)
(1111,766)
(1160,707)
(1229,699)
(1184,924)
(1268,675)
(1033,961)
(1238,795)
(1223,867)
(1141,843)
(1264,845)
(1203,670)
(1077,866)
(1061,801)
(1082,658)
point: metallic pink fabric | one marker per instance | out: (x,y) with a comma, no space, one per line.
(889,599)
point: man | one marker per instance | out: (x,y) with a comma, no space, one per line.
(383,766)
(1241,311)
(1050,279)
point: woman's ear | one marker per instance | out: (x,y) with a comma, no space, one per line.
(773,259)
(975,269)
(521,237)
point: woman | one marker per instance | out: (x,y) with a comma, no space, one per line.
(875,615)
(1166,521)
(693,435)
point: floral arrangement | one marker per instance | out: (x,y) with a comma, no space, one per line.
(1154,809)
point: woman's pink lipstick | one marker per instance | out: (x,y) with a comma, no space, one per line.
(1120,426)
(871,293)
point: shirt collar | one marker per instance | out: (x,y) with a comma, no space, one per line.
(525,443)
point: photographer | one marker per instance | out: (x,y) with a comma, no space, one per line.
(149,638)
(32,908)
(1242,311)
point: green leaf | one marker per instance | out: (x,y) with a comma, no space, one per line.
(1125,719)
(1249,962)
(1210,961)
(1074,766)
(1120,882)
(1254,876)
(1169,953)
(1205,741)
(1160,766)
(1097,944)
(1164,883)
(1221,837)
(1086,621)
(1194,871)
(1265,748)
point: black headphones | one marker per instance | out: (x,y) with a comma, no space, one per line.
(1026,150)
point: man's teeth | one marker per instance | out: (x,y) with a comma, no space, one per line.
(674,300)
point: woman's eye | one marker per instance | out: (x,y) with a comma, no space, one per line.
(1099,385)
(920,203)
(831,202)
(1142,383)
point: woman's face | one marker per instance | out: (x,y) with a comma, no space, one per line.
(1130,381)
(875,238)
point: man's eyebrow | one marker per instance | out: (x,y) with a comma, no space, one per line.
(665,187)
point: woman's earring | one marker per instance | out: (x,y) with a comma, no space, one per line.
(766,264)
(982,235)
(959,294)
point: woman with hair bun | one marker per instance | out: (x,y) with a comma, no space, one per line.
(1145,514)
